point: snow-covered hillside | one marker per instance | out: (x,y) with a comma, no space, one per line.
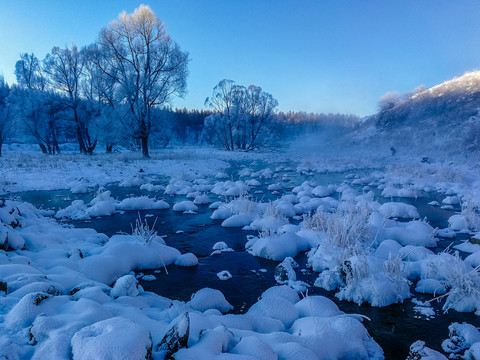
(435,122)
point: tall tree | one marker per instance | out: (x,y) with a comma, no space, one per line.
(64,69)
(148,66)
(36,103)
(244,117)
(225,102)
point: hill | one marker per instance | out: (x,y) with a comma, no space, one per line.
(442,120)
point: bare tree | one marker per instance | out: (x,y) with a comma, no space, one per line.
(148,66)
(64,69)
(29,73)
(260,121)
(243,118)
(224,102)
(36,104)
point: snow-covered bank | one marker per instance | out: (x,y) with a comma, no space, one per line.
(72,292)
(363,243)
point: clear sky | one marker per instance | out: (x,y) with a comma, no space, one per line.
(312,55)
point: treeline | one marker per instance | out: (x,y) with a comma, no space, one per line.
(43,117)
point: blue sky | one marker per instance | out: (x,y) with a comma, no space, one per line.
(319,56)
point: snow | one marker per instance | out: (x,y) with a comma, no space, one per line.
(202,200)
(398,210)
(125,286)
(187,259)
(461,337)
(458,223)
(88,297)
(238,220)
(185,205)
(276,247)
(209,299)
(149,278)
(224,275)
(430,286)
(142,203)
(114,338)
(417,233)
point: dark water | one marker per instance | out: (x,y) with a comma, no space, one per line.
(394,327)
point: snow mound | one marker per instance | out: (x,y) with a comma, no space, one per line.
(399,210)
(185,205)
(142,203)
(114,338)
(208,298)
(276,247)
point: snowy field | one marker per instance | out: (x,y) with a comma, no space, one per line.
(370,232)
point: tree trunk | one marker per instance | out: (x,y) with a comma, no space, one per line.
(56,147)
(91,147)
(144,140)
(109,148)
(43,148)
(81,143)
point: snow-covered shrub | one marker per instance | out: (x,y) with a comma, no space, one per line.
(461,337)
(464,295)
(143,231)
(345,228)
(470,214)
(376,282)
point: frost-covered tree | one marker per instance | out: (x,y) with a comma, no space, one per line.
(388,101)
(36,105)
(64,69)
(6,112)
(260,121)
(225,104)
(243,117)
(100,89)
(29,73)
(147,64)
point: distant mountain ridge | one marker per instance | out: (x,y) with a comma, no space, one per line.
(442,119)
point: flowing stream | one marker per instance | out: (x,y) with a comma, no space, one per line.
(394,327)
